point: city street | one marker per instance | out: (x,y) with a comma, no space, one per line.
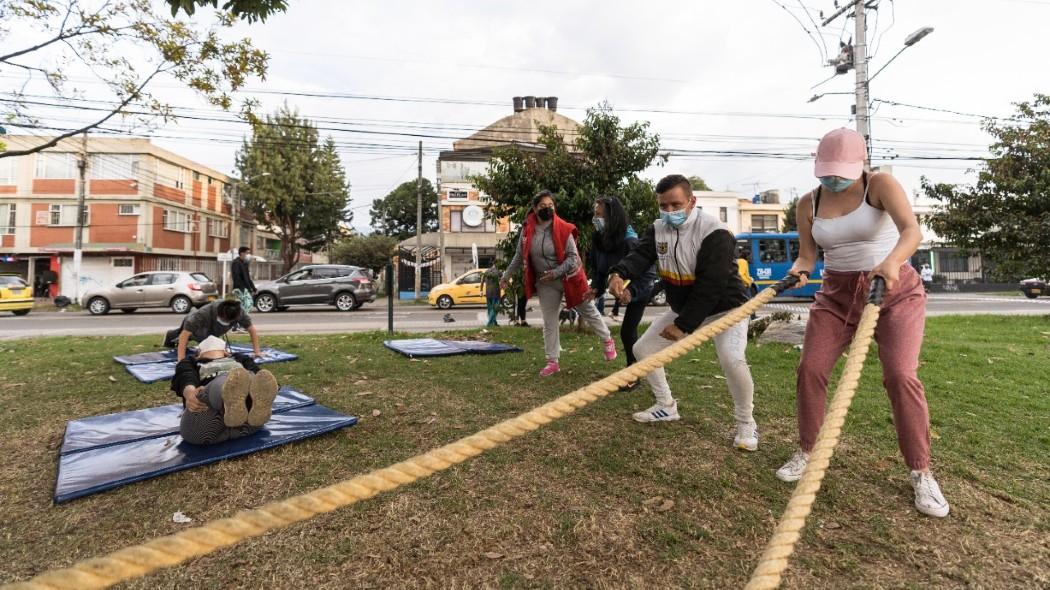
(319,319)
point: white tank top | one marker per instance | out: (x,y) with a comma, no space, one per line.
(857,241)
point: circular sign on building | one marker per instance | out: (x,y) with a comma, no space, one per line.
(473,216)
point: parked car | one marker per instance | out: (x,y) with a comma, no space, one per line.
(15,295)
(179,290)
(1032,288)
(345,287)
(463,290)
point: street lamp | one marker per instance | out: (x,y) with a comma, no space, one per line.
(908,42)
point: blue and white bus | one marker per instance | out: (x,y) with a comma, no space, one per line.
(771,255)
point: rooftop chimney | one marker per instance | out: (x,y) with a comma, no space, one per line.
(552,103)
(541,102)
(518,104)
(530,102)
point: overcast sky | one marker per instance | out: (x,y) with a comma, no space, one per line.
(732,70)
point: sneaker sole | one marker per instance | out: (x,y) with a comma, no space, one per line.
(263,391)
(234,394)
(746,447)
(788,478)
(934,512)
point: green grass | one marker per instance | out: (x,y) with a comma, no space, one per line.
(572,504)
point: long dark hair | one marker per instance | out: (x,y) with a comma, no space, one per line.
(611,240)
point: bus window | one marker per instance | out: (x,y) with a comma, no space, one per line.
(793,246)
(771,251)
(743,249)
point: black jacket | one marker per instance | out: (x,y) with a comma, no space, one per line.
(715,285)
(600,263)
(242,278)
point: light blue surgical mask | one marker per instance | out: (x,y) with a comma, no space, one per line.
(674,218)
(836,184)
(599,224)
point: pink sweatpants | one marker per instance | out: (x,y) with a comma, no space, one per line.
(832,322)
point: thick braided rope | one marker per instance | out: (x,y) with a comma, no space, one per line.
(774,559)
(173,550)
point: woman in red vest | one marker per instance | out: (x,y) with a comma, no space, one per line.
(547,249)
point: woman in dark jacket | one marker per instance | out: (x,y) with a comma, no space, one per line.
(614,239)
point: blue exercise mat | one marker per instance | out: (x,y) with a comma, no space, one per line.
(170,355)
(430,347)
(162,371)
(106,452)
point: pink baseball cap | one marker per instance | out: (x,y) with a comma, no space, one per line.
(841,153)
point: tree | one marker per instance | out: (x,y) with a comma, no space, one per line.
(250,10)
(371,251)
(605,159)
(395,214)
(790,212)
(1006,215)
(698,184)
(294,184)
(125,45)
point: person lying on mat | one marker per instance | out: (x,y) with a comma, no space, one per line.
(214,319)
(225,396)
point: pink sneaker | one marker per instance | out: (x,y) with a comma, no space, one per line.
(610,349)
(551,368)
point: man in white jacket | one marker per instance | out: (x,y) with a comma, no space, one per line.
(696,259)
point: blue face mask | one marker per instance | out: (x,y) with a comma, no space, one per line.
(674,218)
(599,224)
(836,184)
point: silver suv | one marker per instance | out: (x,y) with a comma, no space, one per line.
(179,290)
(345,287)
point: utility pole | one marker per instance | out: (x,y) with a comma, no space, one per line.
(860,66)
(78,244)
(419,221)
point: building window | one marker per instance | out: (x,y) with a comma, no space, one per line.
(56,166)
(7,219)
(63,215)
(127,209)
(170,174)
(123,262)
(168,264)
(7,171)
(764,223)
(771,251)
(723,214)
(177,221)
(218,229)
(457,194)
(196,176)
(113,166)
(952,262)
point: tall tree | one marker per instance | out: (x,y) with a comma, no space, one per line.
(395,214)
(125,45)
(294,184)
(790,213)
(250,10)
(1006,215)
(371,251)
(605,159)
(698,184)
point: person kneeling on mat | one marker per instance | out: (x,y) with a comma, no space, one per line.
(214,319)
(225,397)
(696,260)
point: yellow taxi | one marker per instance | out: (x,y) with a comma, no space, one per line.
(16,296)
(463,290)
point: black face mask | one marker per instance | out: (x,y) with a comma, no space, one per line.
(545,214)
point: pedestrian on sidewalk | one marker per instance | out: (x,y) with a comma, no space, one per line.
(490,288)
(695,255)
(867,229)
(552,268)
(614,238)
(243,286)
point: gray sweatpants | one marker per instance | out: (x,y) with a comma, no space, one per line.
(730,347)
(207,427)
(550,304)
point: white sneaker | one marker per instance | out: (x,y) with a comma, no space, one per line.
(746,436)
(928,497)
(793,469)
(658,413)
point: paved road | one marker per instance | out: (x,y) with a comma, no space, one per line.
(411,318)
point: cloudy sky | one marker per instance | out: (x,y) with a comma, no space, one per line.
(708,76)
